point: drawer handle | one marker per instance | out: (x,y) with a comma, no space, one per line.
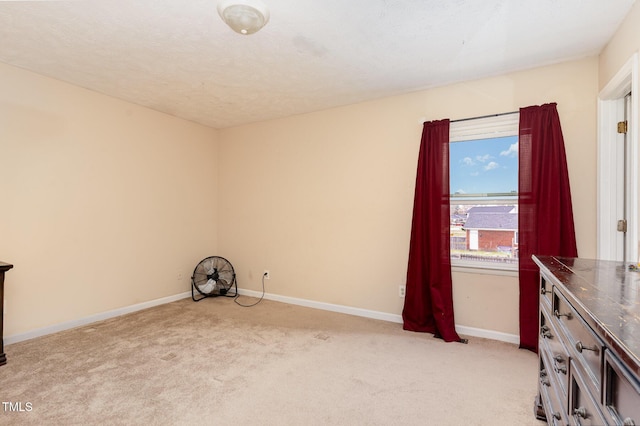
(556,415)
(558,314)
(545,382)
(558,359)
(628,422)
(581,412)
(561,369)
(544,332)
(544,291)
(580,347)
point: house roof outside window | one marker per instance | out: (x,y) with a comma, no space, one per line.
(496,218)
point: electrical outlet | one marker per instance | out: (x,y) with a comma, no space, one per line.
(267,274)
(401,290)
(179,275)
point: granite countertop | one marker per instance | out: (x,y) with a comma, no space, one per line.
(606,294)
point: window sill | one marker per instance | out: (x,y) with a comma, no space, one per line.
(471,268)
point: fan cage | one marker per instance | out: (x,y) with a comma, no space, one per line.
(213,276)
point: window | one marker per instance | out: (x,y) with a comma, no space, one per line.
(483,174)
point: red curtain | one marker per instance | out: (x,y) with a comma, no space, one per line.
(428,305)
(545,215)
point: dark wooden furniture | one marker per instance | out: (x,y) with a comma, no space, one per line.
(589,345)
(4,267)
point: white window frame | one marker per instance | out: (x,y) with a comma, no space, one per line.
(501,125)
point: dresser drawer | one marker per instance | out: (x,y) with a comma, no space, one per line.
(582,407)
(553,400)
(582,343)
(551,345)
(621,397)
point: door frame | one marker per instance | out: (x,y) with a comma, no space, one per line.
(610,108)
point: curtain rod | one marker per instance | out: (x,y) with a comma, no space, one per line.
(484,116)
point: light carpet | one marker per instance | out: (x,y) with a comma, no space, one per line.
(216,363)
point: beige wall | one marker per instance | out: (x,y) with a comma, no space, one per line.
(621,47)
(324,200)
(102,202)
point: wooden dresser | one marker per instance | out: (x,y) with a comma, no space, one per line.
(4,267)
(589,344)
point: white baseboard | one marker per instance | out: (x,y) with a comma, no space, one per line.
(488,334)
(461,329)
(92,318)
(324,306)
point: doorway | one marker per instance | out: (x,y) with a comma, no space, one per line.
(617,234)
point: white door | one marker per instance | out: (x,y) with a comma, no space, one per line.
(473,239)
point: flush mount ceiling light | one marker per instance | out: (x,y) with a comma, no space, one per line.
(244,16)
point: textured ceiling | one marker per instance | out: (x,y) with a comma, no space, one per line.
(180,58)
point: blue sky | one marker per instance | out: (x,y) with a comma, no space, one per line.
(484,165)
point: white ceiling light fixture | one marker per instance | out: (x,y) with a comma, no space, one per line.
(244,16)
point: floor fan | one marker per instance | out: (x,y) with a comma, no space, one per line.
(212,277)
